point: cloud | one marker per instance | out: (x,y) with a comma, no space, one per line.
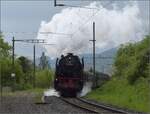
(113,27)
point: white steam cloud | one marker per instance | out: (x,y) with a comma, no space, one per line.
(86,89)
(51,92)
(113,27)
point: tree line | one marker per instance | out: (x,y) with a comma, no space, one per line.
(23,69)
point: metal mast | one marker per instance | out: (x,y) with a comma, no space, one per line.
(94,55)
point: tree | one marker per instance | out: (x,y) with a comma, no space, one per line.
(132,60)
(4,47)
(27,69)
(6,64)
(5,61)
(25,63)
(43,61)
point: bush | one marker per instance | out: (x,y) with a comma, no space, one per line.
(44,78)
(23,86)
(6,70)
(132,60)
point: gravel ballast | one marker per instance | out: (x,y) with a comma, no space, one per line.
(25,104)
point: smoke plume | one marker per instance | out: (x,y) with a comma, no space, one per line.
(51,92)
(86,89)
(113,27)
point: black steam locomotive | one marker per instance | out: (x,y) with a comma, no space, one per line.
(69,75)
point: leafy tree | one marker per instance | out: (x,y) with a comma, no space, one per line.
(132,60)
(26,64)
(27,69)
(4,47)
(6,71)
(6,64)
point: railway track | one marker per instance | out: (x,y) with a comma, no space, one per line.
(91,107)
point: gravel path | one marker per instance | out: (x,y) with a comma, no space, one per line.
(25,105)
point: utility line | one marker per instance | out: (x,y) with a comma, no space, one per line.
(101,57)
(79,6)
(46,33)
(84,23)
(46,0)
(54,33)
(64,0)
(89,19)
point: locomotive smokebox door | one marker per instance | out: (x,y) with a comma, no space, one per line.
(69,74)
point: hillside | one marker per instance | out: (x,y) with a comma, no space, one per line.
(129,87)
(102,64)
(103,60)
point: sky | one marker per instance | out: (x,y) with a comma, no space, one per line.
(23,19)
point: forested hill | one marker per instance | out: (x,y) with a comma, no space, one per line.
(103,60)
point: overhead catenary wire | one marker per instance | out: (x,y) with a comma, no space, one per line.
(89,19)
(31,40)
(54,33)
(101,57)
(98,9)
(34,41)
(46,44)
(79,6)
(62,0)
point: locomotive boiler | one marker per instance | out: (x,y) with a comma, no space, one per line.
(69,75)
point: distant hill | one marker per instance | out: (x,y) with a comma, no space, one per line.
(103,60)
(109,53)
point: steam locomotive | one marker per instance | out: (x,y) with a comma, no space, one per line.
(69,75)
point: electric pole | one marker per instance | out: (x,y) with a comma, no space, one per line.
(55,4)
(95,77)
(34,66)
(1,89)
(13,64)
(103,68)
(13,49)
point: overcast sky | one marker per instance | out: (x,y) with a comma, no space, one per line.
(26,16)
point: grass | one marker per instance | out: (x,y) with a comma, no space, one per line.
(36,91)
(119,93)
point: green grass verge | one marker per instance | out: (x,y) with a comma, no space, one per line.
(35,91)
(120,93)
